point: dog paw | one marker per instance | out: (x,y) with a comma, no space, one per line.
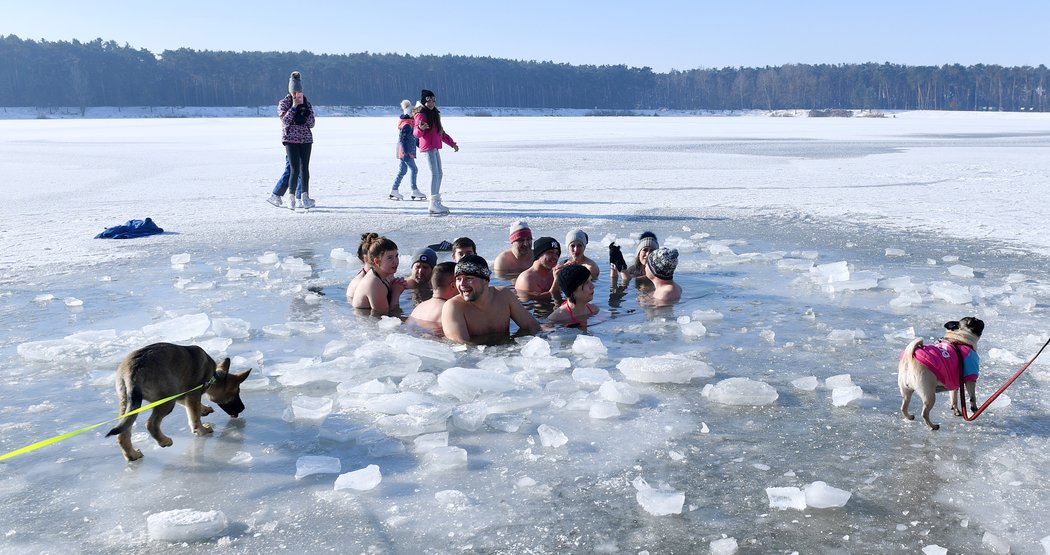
(133,455)
(206,410)
(204,429)
(164,441)
(935,427)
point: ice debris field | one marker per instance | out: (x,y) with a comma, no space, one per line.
(763,409)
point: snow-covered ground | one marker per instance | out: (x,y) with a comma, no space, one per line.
(811,248)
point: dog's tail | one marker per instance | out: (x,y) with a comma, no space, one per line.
(909,352)
(136,402)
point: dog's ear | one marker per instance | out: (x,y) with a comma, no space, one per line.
(951,326)
(974,324)
(224,366)
(242,376)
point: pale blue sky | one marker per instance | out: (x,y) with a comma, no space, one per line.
(661,34)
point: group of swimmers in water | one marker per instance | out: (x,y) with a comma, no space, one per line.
(454,299)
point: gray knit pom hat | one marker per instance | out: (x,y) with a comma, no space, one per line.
(295,83)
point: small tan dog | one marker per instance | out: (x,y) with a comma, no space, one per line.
(161,370)
(928,369)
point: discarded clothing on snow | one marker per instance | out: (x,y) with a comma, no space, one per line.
(130,230)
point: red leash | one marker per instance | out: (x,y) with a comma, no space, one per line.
(962,393)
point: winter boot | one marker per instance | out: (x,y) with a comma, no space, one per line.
(291,202)
(306,202)
(394,195)
(436,208)
(417,194)
(275,200)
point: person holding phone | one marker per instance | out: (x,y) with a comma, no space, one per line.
(297,119)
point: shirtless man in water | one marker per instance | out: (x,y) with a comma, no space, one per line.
(479,313)
(427,314)
(518,257)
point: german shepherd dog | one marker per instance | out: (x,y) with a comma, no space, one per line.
(929,369)
(161,370)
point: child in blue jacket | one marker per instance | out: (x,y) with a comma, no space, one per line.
(406,153)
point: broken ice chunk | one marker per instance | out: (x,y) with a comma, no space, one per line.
(842,396)
(838,380)
(467,383)
(694,329)
(420,347)
(958,270)
(602,410)
(724,546)
(995,544)
(316,464)
(314,409)
(659,501)
(669,368)
(830,273)
(360,480)
(950,292)
(504,422)
(185,525)
(426,442)
(895,252)
(933,549)
(808,383)
(268,257)
(846,335)
(551,436)
(741,391)
(619,392)
(180,259)
(177,330)
(590,377)
(819,495)
(786,498)
(446,458)
(589,346)
(537,347)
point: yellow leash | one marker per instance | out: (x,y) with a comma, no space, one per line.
(58,438)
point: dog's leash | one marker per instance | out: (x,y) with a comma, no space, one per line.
(68,435)
(962,394)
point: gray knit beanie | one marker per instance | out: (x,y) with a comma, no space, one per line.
(295,83)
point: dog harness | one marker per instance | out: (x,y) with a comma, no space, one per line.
(942,360)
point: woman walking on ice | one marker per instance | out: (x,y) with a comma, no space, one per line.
(406,153)
(430,134)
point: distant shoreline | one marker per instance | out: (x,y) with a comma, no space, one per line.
(137,112)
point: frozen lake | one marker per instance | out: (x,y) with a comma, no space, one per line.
(932,216)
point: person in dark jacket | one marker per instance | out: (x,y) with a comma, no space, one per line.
(406,153)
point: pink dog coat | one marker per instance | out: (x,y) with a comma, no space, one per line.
(942,360)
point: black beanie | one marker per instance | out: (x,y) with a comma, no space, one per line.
(544,244)
(571,276)
(423,96)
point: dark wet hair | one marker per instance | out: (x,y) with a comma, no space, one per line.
(362,248)
(462,242)
(378,246)
(444,274)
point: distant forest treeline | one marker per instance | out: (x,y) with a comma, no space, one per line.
(103,73)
